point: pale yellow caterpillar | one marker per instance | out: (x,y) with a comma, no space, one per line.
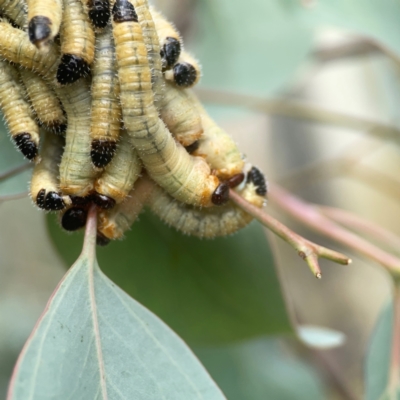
(106,109)
(119,176)
(15,11)
(16,47)
(213,221)
(77,43)
(16,110)
(77,173)
(45,191)
(186,178)
(169,38)
(44,102)
(186,72)
(44,20)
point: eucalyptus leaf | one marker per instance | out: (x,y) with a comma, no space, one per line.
(208,291)
(95,342)
(261,369)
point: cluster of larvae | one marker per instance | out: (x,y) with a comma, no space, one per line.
(97,96)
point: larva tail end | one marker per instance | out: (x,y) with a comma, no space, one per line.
(39,30)
(74,219)
(185,74)
(192,147)
(221,194)
(26,145)
(170,52)
(102,152)
(103,201)
(257,177)
(101,240)
(124,11)
(99,12)
(71,68)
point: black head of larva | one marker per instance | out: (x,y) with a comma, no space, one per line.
(221,194)
(40,198)
(257,177)
(170,52)
(39,29)
(123,11)
(185,74)
(99,12)
(71,68)
(235,180)
(102,152)
(103,201)
(74,218)
(101,240)
(54,202)
(26,145)
(192,147)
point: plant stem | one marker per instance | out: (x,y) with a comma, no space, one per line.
(395,357)
(308,251)
(14,171)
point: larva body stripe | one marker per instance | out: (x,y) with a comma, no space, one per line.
(44,101)
(186,72)
(206,222)
(77,43)
(186,178)
(15,11)
(23,128)
(119,176)
(44,20)
(45,191)
(77,173)
(181,118)
(112,224)
(217,146)
(16,47)
(169,39)
(106,109)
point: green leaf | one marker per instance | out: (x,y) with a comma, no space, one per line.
(208,291)
(256,47)
(11,158)
(260,369)
(95,342)
(378,355)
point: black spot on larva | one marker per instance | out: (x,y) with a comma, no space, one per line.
(102,152)
(192,147)
(74,219)
(257,177)
(81,201)
(54,202)
(221,194)
(235,180)
(184,74)
(103,201)
(99,12)
(170,52)
(123,11)
(71,68)
(40,198)
(39,29)
(101,240)
(26,145)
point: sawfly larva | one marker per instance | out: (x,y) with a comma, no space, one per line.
(119,176)
(169,38)
(77,43)
(44,20)
(45,191)
(74,218)
(15,11)
(186,72)
(99,12)
(106,110)
(186,178)
(77,173)
(44,102)
(16,47)
(213,221)
(16,110)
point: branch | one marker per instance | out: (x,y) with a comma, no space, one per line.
(308,251)
(14,171)
(309,216)
(8,197)
(395,349)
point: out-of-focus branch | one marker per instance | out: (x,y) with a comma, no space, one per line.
(394,378)
(308,251)
(312,218)
(15,171)
(10,197)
